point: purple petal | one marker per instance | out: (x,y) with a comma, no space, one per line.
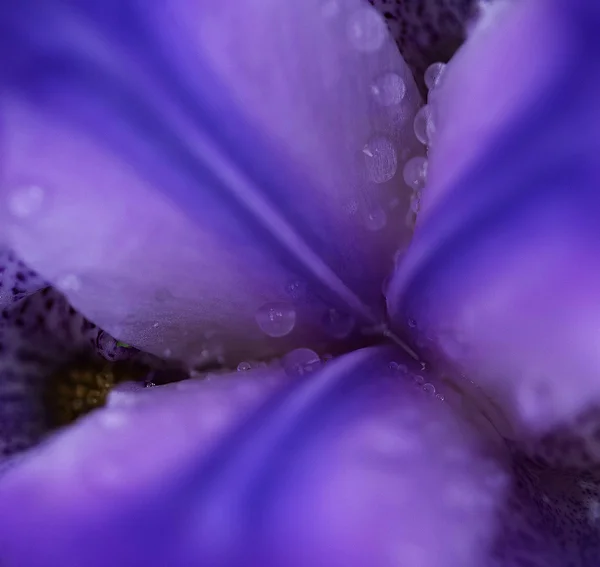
(176,169)
(354,464)
(503,274)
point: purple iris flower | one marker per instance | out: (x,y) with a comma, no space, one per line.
(352,291)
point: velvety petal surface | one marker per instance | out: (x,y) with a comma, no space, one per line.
(355,463)
(502,277)
(207,180)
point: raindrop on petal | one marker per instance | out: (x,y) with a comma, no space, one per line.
(243,366)
(376,220)
(366,29)
(433,75)
(415,172)
(429,388)
(422,126)
(276,319)
(300,361)
(388,89)
(381,159)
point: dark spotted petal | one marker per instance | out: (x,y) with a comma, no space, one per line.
(37,336)
(207,180)
(354,464)
(427,31)
(16,279)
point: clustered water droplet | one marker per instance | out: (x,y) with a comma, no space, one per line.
(300,361)
(433,75)
(381,159)
(276,319)
(388,89)
(366,29)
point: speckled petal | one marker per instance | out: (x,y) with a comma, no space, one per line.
(502,278)
(185,171)
(37,336)
(16,279)
(354,464)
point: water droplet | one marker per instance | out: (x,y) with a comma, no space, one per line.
(412,323)
(419,379)
(26,201)
(70,282)
(381,159)
(296,289)
(393,366)
(421,124)
(338,325)
(300,361)
(388,89)
(276,319)
(440,397)
(433,75)
(376,220)
(429,388)
(366,29)
(415,172)
(243,366)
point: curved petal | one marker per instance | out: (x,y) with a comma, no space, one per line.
(207,180)
(353,464)
(503,275)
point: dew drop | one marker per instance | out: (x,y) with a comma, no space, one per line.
(300,362)
(276,319)
(26,201)
(433,75)
(412,323)
(415,172)
(419,379)
(366,29)
(388,89)
(381,159)
(429,389)
(393,366)
(337,324)
(376,220)
(440,397)
(422,124)
(243,366)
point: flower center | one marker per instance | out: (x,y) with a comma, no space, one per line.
(83,385)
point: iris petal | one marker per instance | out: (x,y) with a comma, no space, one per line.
(503,274)
(169,216)
(353,462)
